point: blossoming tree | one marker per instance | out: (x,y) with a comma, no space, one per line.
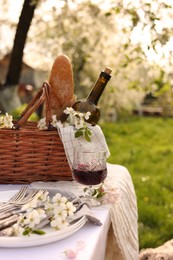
(132,37)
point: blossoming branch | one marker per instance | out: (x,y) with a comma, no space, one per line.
(41,211)
(105,194)
(6,121)
(76,119)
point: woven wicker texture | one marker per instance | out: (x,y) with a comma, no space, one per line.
(30,154)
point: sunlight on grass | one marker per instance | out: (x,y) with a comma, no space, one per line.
(144,146)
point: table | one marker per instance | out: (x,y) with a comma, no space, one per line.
(120,220)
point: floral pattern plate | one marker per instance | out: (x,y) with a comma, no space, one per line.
(36,240)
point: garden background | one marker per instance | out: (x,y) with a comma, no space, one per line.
(134,39)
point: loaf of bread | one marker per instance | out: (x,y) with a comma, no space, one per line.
(61,85)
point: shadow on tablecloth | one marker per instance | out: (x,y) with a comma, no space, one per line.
(112,250)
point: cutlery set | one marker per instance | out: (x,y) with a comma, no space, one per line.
(11,210)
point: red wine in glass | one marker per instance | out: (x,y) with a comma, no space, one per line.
(89,166)
(90,177)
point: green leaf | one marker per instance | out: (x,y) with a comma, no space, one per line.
(98,193)
(39,232)
(82,129)
(88,131)
(85,132)
(87,138)
(27,231)
(78,134)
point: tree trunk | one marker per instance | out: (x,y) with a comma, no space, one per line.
(15,65)
(9,99)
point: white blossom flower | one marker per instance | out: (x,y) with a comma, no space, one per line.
(57,207)
(21,220)
(60,212)
(70,208)
(65,124)
(32,218)
(80,245)
(81,115)
(41,213)
(59,124)
(105,193)
(45,196)
(69,110)
(54,121)
(58,198)
(8,121)
(18,229)
(87,115)
(70,253)
(38,201)
(59,223)
(48,206)
(112,195)
(30,205)
(78,123)
(41,196)
(42,124)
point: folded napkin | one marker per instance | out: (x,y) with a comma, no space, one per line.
(67,135)
(84,210)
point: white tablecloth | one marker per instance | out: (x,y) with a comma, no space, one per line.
(123,216)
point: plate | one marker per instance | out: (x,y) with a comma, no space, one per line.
(36,240)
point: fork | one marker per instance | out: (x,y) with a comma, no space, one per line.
(19,195)
(26,199)
(18,204)
(16,197)
(10,215)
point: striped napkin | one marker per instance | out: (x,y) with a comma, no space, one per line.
(67,135)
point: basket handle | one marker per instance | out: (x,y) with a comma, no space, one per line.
(41,96)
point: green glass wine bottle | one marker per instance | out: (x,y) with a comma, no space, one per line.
(90,104)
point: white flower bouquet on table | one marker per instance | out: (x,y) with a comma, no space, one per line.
(104,194)
(41,211)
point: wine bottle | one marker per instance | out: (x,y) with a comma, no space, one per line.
(90,104)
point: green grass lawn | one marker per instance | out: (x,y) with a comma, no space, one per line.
(145,146)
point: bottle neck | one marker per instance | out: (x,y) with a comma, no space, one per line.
(98,88)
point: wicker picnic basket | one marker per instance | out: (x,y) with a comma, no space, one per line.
(28,154)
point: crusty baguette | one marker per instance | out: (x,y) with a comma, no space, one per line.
(61,85)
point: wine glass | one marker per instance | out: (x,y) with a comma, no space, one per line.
(89,166)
